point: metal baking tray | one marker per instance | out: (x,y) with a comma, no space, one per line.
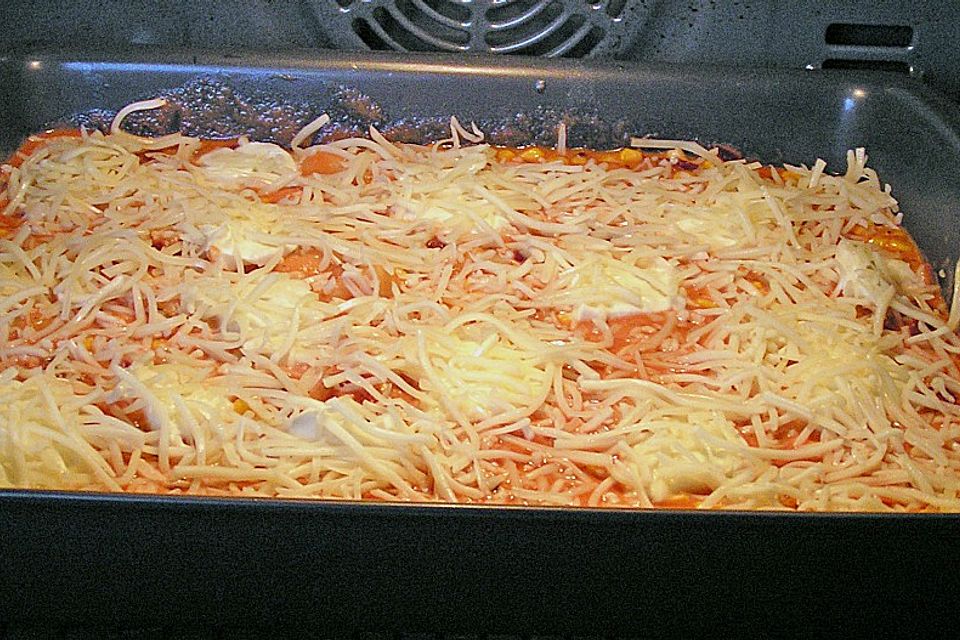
(340,568)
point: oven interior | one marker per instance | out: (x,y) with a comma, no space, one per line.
(116,567)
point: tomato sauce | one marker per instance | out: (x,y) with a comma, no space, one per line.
(38,141)
(625,157)
(895,242)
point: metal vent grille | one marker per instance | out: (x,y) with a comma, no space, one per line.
(551,28)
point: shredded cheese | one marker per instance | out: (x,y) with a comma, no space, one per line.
(461,323)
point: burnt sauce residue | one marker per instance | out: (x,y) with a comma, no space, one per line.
(216,107)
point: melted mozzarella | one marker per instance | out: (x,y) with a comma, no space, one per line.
(257,165)
(455,193)
(866,273)
(603,286)
(243,230)
(695,453)
(184,399)
(715,231)
(270,313)
(863,273)
(727,218)
(246,240)
(474,372)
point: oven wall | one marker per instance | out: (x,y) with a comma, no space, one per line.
(915,38)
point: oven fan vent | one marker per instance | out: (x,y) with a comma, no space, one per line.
(551,28)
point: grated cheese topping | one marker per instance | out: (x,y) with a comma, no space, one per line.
(462,323)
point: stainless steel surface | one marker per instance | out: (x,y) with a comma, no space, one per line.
(915,38)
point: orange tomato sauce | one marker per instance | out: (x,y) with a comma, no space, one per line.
(38,141)
(618,158)
(896,243)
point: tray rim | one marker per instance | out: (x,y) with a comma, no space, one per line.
(479,64)
(206,61)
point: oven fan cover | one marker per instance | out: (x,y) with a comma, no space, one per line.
(551,28)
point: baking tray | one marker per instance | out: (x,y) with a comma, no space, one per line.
(340,568)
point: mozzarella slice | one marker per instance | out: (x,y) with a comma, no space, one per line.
(180,398)
(454,207)
(308,425)
(714,231)
(690,454)
(273,314)
(239,229)
(474,371)
(257,165)
(603,286)
(728,218)
(447,192)
(865,273)
(248,241)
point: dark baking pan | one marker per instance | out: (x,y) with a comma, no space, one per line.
(324,568)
